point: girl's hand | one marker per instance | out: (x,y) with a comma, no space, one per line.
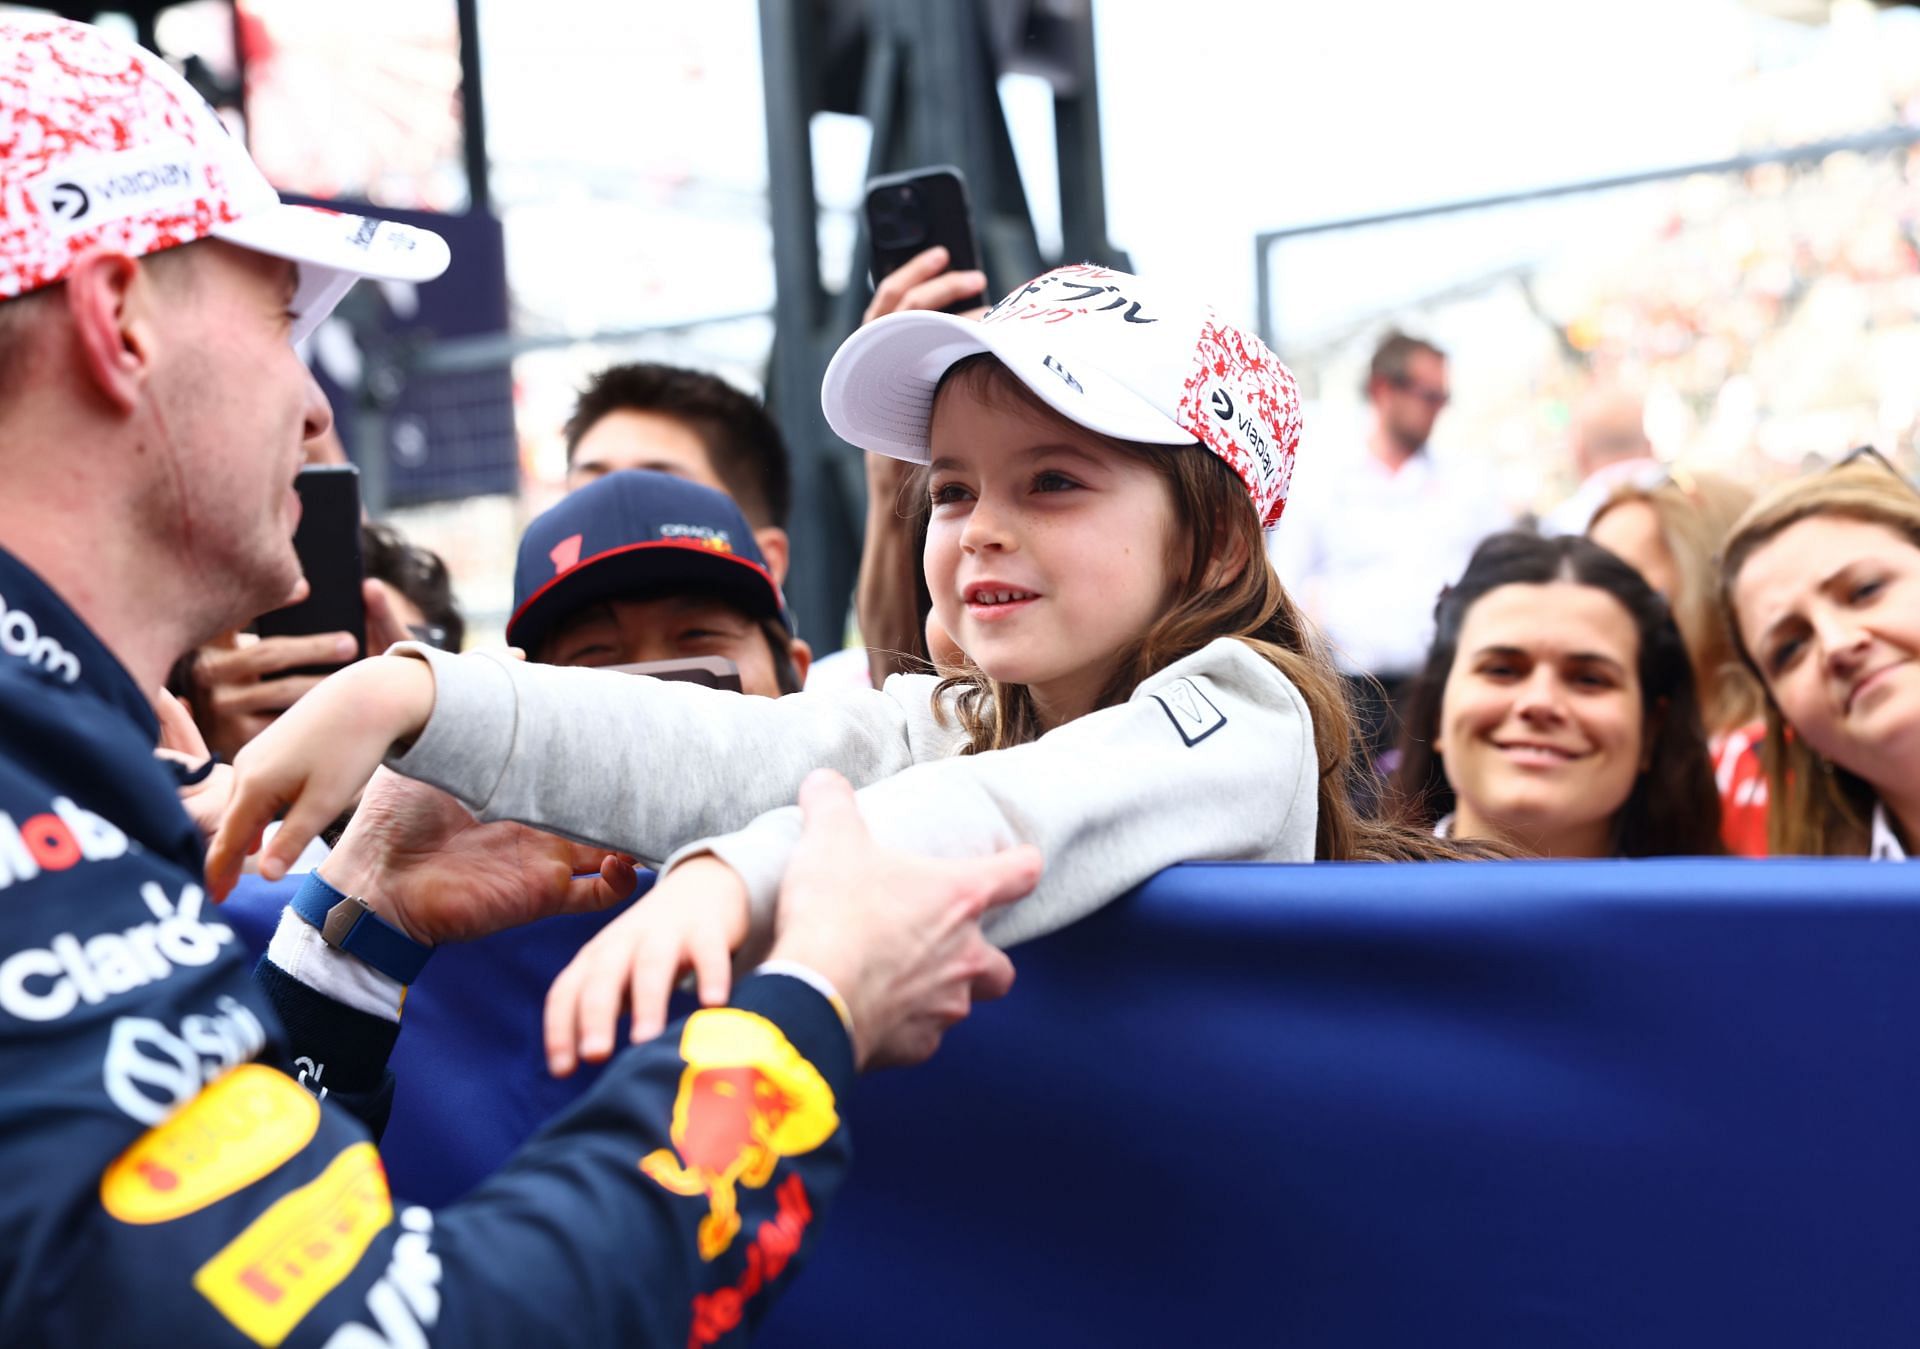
(314,760)
(694,919)
(205,801)
(233,693)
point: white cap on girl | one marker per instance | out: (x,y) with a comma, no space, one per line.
(1105,350)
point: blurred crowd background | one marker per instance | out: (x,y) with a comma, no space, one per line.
(622,203)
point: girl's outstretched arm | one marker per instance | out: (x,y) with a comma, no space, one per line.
(314,760)
(641,766)
(1211,759)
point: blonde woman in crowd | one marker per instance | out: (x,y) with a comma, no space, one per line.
(1671,532)
(1821,584)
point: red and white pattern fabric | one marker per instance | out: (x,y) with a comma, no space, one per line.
(105,145)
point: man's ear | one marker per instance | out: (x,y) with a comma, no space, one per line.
(110,304)
(773,547)
(802,656)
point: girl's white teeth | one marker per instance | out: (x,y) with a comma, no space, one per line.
(1000,596)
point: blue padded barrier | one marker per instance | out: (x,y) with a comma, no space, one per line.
(1620,1104)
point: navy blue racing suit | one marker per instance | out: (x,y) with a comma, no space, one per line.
(170,1181)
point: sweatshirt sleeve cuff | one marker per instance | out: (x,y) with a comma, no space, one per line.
(807,1019)
(759,854)
(466,743)
(302,954)
(346,1050)
(814,980)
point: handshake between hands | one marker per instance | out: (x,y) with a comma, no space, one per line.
(898,936)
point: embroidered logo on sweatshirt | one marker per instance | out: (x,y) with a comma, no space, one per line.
(1192,714)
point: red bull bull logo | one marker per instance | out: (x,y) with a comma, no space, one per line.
(747,1098)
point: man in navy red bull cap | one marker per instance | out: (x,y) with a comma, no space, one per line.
(638,567)
(169,1180)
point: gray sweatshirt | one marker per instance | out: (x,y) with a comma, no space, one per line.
(1210,759)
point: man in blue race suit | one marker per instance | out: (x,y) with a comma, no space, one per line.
(169,1180)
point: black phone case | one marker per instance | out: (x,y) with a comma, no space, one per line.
(908,213)
(328,542)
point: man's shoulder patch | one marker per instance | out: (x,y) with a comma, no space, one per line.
(1190,710)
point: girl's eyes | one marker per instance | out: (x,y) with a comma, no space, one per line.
(1866,590)
(949,493)
(1500,669)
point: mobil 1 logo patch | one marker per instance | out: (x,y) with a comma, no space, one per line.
(1192,713)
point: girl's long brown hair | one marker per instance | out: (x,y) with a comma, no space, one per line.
(1214,519)
(1815,807)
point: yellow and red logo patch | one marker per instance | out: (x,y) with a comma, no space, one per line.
(243,1126)
(270,1276)
(747,1098)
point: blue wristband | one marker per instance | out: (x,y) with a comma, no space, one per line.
(347,924)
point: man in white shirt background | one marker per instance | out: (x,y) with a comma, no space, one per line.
(1387,526)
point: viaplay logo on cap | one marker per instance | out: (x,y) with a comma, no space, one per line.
(85,193)
(1243,404)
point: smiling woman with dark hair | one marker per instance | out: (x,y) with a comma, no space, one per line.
(1556,713)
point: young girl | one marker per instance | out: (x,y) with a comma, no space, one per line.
(1556,713)
(1822,585)
(1102,459)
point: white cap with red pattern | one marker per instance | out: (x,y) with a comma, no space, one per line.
(1104,349)
(104,143)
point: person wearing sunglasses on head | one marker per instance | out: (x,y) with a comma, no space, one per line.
(1821,584)
(1390,525)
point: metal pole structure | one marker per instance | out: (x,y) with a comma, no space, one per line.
(1889,138)
(824,525)
(1083,180)
(473,111)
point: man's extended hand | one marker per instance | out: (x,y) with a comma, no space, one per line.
(898,935)
(423,863)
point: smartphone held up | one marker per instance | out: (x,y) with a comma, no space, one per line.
(327,541)
(908,213)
